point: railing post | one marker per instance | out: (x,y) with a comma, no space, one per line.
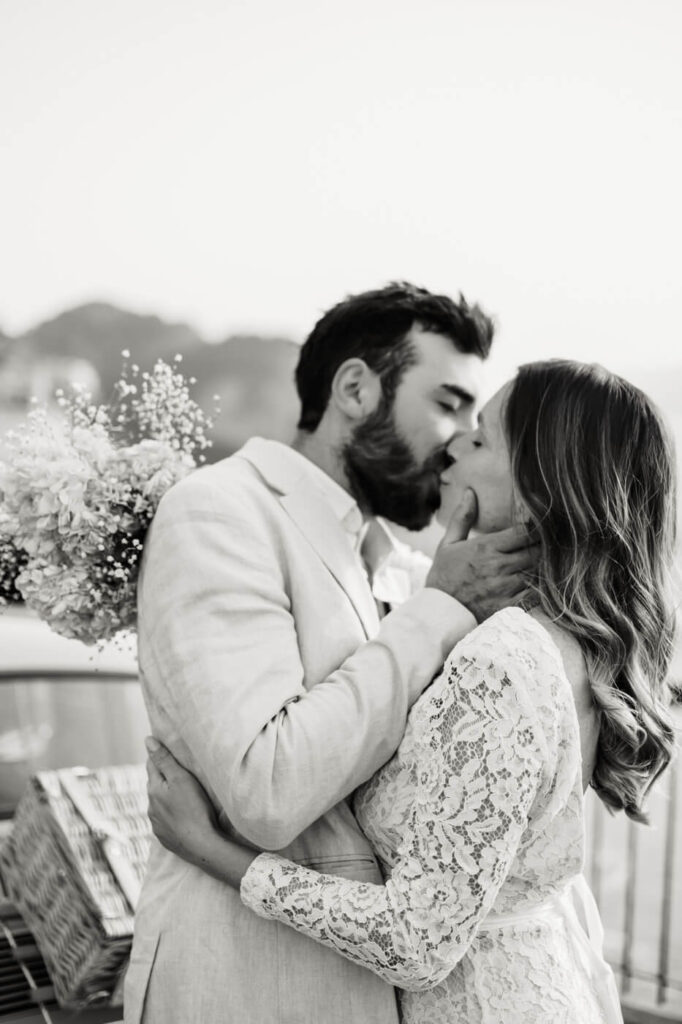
(630,888)
(668,867)
(597,846)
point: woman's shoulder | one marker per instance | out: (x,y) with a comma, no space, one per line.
(565,644)
(543,665)
(511,634)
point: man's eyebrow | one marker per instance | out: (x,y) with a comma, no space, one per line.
(454,389)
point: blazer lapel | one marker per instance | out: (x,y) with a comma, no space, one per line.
(317,523)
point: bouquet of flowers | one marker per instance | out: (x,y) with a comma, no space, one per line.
(79,491)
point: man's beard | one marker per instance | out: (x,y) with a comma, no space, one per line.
(384,476)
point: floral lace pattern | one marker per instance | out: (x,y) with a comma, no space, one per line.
(479,811)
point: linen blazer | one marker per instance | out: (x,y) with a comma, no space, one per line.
(267,673)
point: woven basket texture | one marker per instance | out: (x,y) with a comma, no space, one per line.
(58,877)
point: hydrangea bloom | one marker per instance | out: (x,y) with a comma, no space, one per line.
(79,491)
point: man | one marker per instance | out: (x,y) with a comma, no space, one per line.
(267,666)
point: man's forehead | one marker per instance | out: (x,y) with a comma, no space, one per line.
(440,364)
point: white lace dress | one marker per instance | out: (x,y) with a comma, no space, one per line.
(477,822)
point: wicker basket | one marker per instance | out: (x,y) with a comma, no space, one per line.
(73,865)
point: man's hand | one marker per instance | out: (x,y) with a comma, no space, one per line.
(485,573)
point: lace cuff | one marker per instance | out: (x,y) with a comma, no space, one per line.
(257,885)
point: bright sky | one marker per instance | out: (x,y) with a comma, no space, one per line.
(241,164)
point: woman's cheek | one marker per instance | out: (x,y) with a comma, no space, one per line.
(500,512)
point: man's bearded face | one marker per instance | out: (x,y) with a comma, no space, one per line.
(384,475)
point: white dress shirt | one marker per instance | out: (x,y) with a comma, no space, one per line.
(379,554)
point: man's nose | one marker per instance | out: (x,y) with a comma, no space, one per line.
(467,420)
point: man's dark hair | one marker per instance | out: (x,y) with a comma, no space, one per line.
(374,326)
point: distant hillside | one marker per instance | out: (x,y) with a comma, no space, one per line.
(254,378)
(253,375)
(98,332)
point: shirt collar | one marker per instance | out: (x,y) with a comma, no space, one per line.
(371,539)
(376,544)
(342,503)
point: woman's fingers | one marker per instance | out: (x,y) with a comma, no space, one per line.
(162,758)
(154,775)
(164,763)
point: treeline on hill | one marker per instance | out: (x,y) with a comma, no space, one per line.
(253,375)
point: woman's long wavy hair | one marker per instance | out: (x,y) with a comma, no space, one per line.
(594,466)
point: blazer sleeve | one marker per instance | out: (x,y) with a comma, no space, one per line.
(478,761)
(218,634)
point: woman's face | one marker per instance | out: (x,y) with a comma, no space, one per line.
(481,462)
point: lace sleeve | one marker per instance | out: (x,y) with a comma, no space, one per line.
(478,756)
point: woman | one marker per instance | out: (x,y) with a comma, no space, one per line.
(478,817)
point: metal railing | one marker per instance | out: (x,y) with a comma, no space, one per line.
(26,992)
(635,872)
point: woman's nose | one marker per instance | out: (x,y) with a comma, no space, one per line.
(453,448)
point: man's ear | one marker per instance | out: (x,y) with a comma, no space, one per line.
(356,390)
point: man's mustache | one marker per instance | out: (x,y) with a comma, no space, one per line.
(438,462)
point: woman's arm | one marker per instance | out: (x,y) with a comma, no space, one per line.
(184,820)
(478,758)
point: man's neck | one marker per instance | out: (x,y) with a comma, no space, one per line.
(320,452)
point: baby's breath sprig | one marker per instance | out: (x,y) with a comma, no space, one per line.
(158,404)
(79,491)
(79,410)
